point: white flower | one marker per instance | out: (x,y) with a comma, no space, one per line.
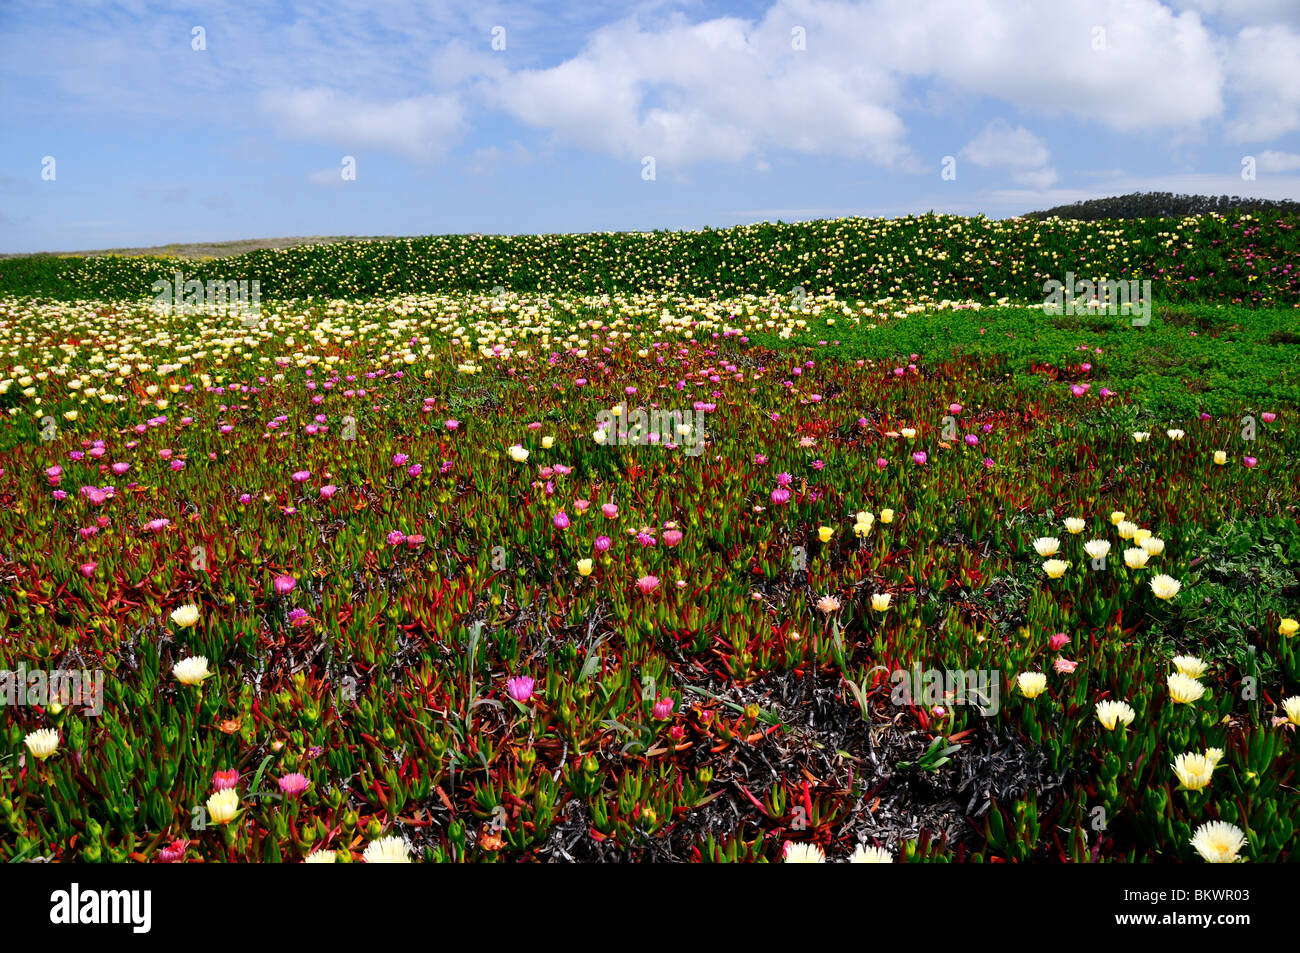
(1175,434)
(321,857)
(223,806)
(387,850)
(42,743)
(1074,525)
(804,854)
(1047,545)
(863,854)
(1112,713)
(186,615)
(1096,548)
(192,670)
(518,454)
(1165,587)
(1219,842)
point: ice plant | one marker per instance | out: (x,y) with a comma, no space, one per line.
(186,616)
(1189,665)
(387,850)
(42,743)
(647,584)
(1031,684)
(293,784)
(223,806)
(880,601)
(192,670)
(1165,587)
(1114,713)
(1074,525)
(1288,627)
(793,853)
(870,854)
(1183,689)
(1055,568)
(520,688)
(1193,770)
(1047,545)
(1219,842)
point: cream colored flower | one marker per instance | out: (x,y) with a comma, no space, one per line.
(321,857)
(886,516)
(1031,684)
(880,601)
(1097,548)
(548,442)
(192,670)
(223,806)
(1126,529)
(1117,517)
(1136,558)
(1183,689)
(42,743)
(186,616)
(1112,713)
(1292,708)
(908,432)
(584,567)
(518,454)
(1074,525)
(1220,457)
(1219,842)
(862,854)
(387,850)
(1175,434)
(1154,545)
(1193,770)
(803,854)
(1055,568)
(1047,545)
(1190,665)
(1165,587)
(828,604)
(1141,436)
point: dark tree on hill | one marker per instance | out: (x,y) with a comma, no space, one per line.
(1163,205)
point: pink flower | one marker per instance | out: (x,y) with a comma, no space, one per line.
(561,520)
(581,506)
(882,462)
(301,476)
(451,424)
(609,510)
(1249,461)
(1064,666)
(173,851)
(1058,641)
(647,584)
(293,784)
(520,688)
(121,468)
(603,543)
(663,708)
(87,569)
(328,490)
(284,584)
(399,459)
(1268,416)
(972,440)
(954,408)
(224,780)
(672,537)
(415,469)
(919,457)
(395,538)
(157,526)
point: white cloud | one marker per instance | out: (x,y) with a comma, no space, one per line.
(1018,150)
(422,127)
(1271,161)
(1265,76)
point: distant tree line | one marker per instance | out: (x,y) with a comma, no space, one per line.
(1163,205)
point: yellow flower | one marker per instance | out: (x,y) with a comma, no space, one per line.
(1112,713)
(880,601)
(1190,665)
(1031,684)
(824,533)
(1075,525)
(1117,517)
(1183,689)
(1219,842)
(862,854)
(191,671)
(1136,558)
(1288,627)
(1142,534)
(1292,708)
(42,743)
(186,616)
(548,442)
(1055,568)
(223,806)
(1165,587)
(1220,457)
(886,516)
(1047,545)
(1193,770)
(584,567)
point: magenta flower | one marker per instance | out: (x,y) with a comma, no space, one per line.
(293,784)
(415,469)
(919,457)
(224,780)
(663,708)
(298,617)
(603,543)
(284,584)
(972,440)
(157,526)
(609,510)
(301,476)
(520,688)
(1249,461)
(395,538)
(1268,416)
(399,459)
(451,424)
(87,569)
(647,584)
(1058,641)
(328,490)
(1078,390)
(561,520)
(882,462)
(672,537)
(780,496)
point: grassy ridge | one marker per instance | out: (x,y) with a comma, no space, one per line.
(1230,259)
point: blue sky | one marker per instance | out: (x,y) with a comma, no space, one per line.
(751,111)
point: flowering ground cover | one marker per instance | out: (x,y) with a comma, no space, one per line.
(508,576)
